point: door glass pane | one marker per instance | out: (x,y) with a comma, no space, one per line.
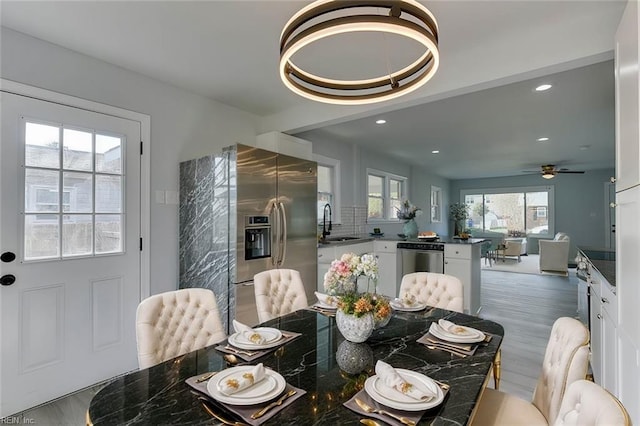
(108,194)
(41,191)
(77,149)
(108,233)
(77,234)
(78,191)
(42,145)
(108,154)
(41,236)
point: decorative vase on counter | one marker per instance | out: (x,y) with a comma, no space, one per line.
(410,229)
(355,329)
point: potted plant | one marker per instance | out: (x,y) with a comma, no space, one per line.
(358,313)
(458,212)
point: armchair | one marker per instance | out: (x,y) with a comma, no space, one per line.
(515,247)
(554,254)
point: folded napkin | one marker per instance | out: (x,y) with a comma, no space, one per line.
(326,299)
(249,333)
(454,329)
(240,381)
(392,379)
(255,354)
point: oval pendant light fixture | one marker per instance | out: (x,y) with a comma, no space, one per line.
(318,21)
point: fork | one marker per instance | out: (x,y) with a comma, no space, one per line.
(239,351)
(207,407)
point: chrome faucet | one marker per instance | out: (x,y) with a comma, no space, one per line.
(326,231)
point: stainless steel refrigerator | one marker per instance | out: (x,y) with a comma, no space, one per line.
(242,212)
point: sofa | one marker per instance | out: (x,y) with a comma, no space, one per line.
(554,254)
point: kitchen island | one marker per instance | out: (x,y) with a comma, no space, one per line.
(451,256)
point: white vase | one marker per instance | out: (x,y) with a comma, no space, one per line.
(355,329)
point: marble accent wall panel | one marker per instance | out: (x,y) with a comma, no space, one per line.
(204,228)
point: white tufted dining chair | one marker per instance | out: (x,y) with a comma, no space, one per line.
(438,290)
(588,404)
(566,360)
(278,292)
(175,323)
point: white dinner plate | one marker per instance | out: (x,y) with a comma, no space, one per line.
(265,390)
(390,397)
(474,335)
(398,306)
(273,338)
(323,305)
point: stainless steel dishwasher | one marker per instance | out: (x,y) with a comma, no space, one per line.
(420,257)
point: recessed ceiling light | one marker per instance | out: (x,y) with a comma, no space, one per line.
(543,87)
(584,147)
(435,151)
(381,121)
(545,139)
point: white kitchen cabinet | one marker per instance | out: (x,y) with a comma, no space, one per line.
(463,262)
(328,253)
(604,335)
(389,279)
(629,357)
(627,88)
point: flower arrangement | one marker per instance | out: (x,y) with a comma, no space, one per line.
(407,211)
(341,280)
(360,304)
(344,272)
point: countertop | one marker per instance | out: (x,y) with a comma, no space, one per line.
(364,239)
(603,260)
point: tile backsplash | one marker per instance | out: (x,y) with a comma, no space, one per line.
(354,221)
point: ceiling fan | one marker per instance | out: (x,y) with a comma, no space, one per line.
(549,171)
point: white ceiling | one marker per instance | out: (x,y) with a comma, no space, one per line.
(479,109)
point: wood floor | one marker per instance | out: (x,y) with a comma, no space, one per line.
(526,305)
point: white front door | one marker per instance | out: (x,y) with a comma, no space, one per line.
(70,214)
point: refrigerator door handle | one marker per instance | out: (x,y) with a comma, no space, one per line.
(283,235)
(275,238)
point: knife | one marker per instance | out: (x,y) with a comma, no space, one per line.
(264,410)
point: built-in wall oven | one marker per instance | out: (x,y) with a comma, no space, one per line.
(420,257)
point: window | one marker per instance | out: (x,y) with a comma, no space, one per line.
(73,192)
(511,211)
(436,204)
(328,187)
(385,193)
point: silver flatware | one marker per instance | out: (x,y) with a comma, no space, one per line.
(447,349)
(370,409)
(206,376)
(207,407)
(239,351)
(452,345)
(280,400)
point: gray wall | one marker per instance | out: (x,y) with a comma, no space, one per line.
(354,161)
(183,125)
(580,204)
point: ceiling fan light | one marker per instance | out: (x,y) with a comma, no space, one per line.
(548,175)
(317,21)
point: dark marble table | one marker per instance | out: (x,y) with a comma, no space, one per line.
(159,396)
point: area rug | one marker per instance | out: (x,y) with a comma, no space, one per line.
(528,265)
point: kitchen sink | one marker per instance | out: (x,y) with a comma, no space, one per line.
(338,239)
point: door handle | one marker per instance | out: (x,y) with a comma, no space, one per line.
(7,279)
(283,235)
(7,257)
